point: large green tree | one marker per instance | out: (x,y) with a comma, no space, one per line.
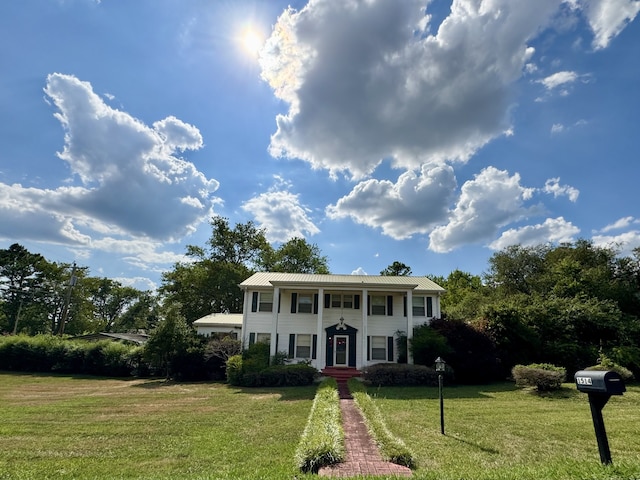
(396,269)
(295,256)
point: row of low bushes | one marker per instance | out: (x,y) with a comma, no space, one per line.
(399,374)
(392,448)
(255,368)
(322,441)
(46,353)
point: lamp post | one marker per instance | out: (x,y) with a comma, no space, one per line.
(440,368)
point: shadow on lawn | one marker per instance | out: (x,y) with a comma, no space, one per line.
(453,391)
(286,394)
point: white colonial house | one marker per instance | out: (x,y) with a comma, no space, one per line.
(335,320)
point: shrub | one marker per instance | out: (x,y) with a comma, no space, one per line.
(279,376)
(607,364)
(390,374)
(234,370)
(256,357)
(543,376)
(322,441)
(392,448)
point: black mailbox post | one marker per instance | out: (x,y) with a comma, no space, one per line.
(600,385)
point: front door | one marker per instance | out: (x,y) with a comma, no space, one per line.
(341,350)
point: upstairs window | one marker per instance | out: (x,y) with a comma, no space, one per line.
(378,305)
(422,306)
(265,303)
(305,303)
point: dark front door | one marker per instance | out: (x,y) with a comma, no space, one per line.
(341,345)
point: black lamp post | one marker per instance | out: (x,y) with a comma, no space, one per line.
(440,368)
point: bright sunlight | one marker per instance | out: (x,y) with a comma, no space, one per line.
(251,41)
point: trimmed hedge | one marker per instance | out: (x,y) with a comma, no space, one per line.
(395,374)
(47,353)
(543,376)
(392,448)
(275,376)
(322,441)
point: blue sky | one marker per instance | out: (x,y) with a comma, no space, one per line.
(428,132)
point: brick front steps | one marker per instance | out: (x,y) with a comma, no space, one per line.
(341,374)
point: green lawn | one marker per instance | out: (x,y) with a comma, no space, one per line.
(81,427)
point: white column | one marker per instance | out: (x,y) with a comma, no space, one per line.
(364,328)
(320,352)
(245,312)
(409,324)
(274,321)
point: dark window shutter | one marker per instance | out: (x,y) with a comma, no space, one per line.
(254,302)
(429,306)
(279,298)
(390,356)
(315,303)
(404,305)
(389,305)
(327,300)
(356,302)
(252,338)
(292,345)
(314,347)
(294,302)
(368,348)
(368,304)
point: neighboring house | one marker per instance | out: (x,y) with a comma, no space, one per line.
(229,323)
(136,338)
(336,320)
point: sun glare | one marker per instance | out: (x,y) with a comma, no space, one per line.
(251,41)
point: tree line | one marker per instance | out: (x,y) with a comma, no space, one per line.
(566,304)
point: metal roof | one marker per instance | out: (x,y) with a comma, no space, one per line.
(292,280)
(220,320)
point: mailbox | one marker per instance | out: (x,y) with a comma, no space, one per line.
(598,381)
(600,385)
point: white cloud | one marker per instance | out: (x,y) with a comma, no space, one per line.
(624,242)
(559,79)
(620,224)
(132,188)
(365,81)
(414,204)
(359,271)
(557,128)
(282,215)
(608,18)
(489,201)
(553,230)
(552,186)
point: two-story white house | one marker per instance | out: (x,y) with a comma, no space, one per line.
(336,320)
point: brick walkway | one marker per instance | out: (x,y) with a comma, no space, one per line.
(363,457)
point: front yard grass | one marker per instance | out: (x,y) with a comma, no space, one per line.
(55,427)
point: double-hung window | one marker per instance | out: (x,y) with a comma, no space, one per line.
(422,306)
(378,348)
(305,303)
(265,303)
(341,300)
(303,346)
(378,305)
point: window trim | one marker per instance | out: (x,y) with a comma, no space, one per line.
(261,302)
(371,348)
(297,345)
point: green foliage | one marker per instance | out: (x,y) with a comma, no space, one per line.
(295,256)
(392,448)
(607,364)
(396,269)
(389,374)
(472,354)
(427,344)
(47,353)
(169,343)
(281,376)
(256,357)
(544,377)
(322,441)
(234,370)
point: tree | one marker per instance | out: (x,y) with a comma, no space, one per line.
(396,269)
(242,245)
(169,340)
(109,299)
(295,256)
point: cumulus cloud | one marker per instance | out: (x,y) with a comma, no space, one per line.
(607,18)
(624,242)
(489,201)
(551,230)
(282,215)
(365,80)
(558,79)
(131,185)
(553,187)
(414,204)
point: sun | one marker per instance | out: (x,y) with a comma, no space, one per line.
(251,41)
